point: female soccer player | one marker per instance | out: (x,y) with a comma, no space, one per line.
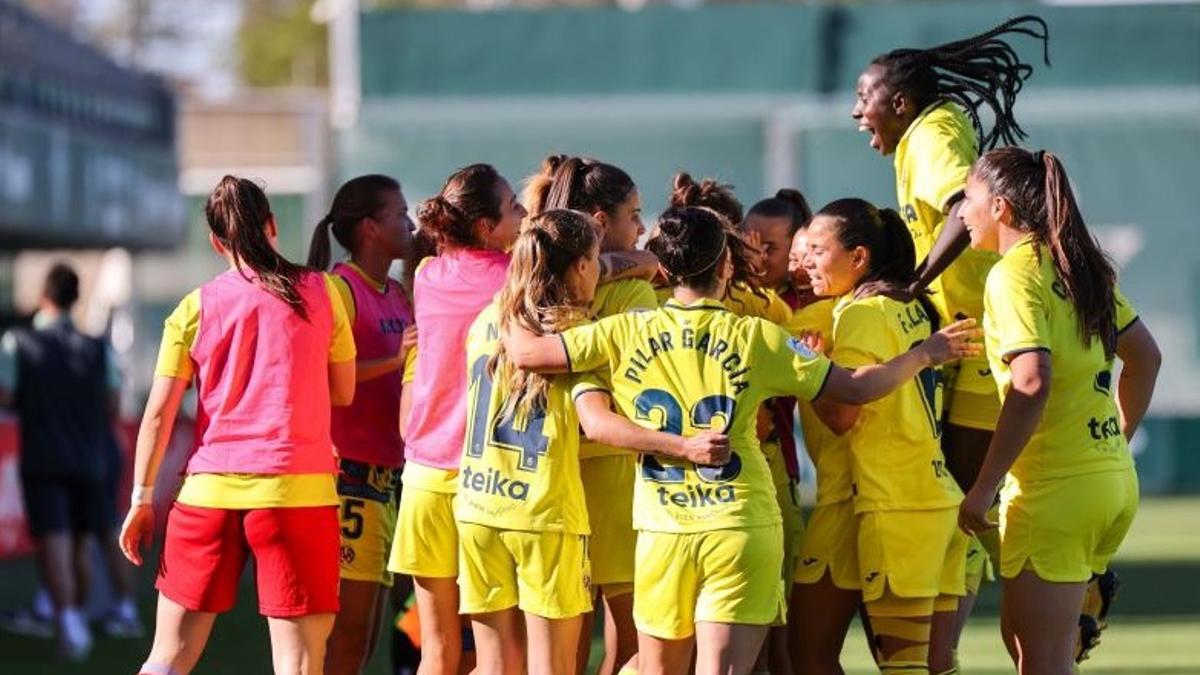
(926,107)
(826,591)
(911,556)
(369,218)
(610,196)
(521,512)
(773,222)
(269,347)
(708,553)
(1054,322)
(475,220)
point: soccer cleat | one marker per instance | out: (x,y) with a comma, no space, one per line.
(26,622)
(1089,638)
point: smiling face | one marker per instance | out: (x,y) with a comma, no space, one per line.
(883,114)
(796,255)
(982,212)
(774,233)
(833,269)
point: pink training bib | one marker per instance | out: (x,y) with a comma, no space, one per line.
(369,429)
(262,379)
(450,291)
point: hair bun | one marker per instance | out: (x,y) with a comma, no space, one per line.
(552,163)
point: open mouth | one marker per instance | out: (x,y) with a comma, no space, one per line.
(876,141)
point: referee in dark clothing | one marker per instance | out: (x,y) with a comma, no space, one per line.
(60,383)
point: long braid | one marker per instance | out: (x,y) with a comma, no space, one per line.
(978,71)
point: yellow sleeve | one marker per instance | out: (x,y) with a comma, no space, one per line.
(582,383)
(941,155)
(341,347)
(1020,317)
(345,295)
(789,367)
(179,333)
(590,346)
(410,366)
(1126,313)
(776,310)
(860,337)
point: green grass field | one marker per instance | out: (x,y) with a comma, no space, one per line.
(1154,625)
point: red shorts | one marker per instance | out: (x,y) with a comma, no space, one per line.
(295,553)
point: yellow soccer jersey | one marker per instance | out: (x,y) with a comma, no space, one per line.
(520,474)
(896,454)
(829,452)
(1028,309)
(689,368)
(612,298)
(932,161)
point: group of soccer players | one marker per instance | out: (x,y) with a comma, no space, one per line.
(577,421)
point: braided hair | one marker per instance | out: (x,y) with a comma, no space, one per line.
(983,70)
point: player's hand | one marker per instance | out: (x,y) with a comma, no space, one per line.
(813,340)
(956,341)
(408,342)
(973,512)
(137,529)
(707,448)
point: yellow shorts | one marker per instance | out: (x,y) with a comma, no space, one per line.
(719,576)
(914,554)
(608,488)
(979,565)
(367,493)
(972,401)
(787,494)
(830,543)
(542,573)
(426,542)
(1065,529)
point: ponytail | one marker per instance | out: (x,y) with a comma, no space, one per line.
(237,212)
(719,198)
(357,198)
(577,183)
(1036,186)
(535,295)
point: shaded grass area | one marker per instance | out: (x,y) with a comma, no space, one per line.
(1154,630)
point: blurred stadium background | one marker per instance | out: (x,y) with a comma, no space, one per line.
(118,116)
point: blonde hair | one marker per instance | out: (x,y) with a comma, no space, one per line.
(536,297)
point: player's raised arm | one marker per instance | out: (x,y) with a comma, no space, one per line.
(601,424)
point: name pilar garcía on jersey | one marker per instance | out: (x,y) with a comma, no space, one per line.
(718,349)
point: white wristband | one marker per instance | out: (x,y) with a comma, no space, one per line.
(142,494)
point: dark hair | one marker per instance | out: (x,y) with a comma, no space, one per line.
(787,203)
(1035,185)
(357,198)
(885,236)
(62,286)
(689,245)
(978,71)
(719,197)
(237,212)
(578,183)
(468,195)
(422,246)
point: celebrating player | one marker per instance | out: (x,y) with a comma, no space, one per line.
(926,107)
(1054,322)
(610,196)
(708,553)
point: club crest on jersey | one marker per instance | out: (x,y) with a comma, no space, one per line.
(1103,383)
(799,347)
